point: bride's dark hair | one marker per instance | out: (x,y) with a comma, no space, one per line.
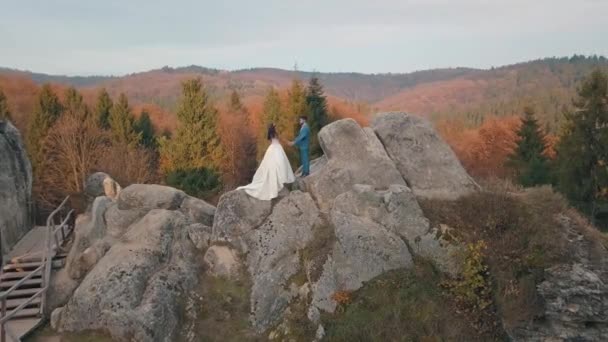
(272,132)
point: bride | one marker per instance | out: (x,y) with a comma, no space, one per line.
(274,171)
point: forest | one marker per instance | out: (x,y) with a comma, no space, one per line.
(540,122)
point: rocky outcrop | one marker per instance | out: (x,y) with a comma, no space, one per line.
(271,241)
(137,257)
(101,184)
(354,156)
(427,163)
(377,231)
(574,295)
(136,261)
(15,187)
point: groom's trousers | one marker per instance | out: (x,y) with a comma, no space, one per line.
(304,160)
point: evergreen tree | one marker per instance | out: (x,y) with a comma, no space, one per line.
(145,128)
(122,123)
(103,109)
(195,144)
(582,152)
(47,110)
(288,122)
(271,114)
(5,113)
(317,105)
(74,104)
(528,159)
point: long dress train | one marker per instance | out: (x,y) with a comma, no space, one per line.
(274,171)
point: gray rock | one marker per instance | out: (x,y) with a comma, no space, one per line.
(575,307)
(222,261)
(354,156)
(101,184)
(315,165)
(134,290)
(198,210)
(118,221)
(150,196)
(428,164)
(200,235)
(55,316)
(89,228)
(398,211)
(363,251)
(274,256)
(15,188)
(236,215)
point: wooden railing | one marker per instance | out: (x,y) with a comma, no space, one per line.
(45,268)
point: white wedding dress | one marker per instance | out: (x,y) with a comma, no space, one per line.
(274,171)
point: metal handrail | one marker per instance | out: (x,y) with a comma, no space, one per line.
(20,282)
(20,307)
(46,278)
(45,268)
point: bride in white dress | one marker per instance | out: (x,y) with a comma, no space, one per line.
(274,171)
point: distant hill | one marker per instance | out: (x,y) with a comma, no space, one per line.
(461,93)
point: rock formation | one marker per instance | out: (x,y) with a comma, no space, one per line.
(15,187)
(136,259)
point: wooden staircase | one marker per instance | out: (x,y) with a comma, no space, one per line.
(25,278)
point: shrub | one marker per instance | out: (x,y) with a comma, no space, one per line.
(474,287)
(200,182)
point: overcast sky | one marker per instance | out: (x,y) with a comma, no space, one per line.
(125,36)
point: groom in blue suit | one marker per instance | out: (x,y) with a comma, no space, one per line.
(302,142)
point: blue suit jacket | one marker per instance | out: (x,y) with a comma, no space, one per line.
(302,141)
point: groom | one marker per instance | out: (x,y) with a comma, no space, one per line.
(302,142)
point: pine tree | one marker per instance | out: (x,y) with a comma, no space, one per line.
(581,152)
(5,113)
(145,128)
(122,123)
(317,105)
(74,104)
(47,110)
(271,114)
(195,144)
(528,159)
(103,109)
(288,122)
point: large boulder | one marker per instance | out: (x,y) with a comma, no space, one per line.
(150,196)
(198,210)
(274,256)
(236,215)
(134,291)
(427,163)
(397,210)
(354,156)
(15,187)
(363,250)
(101,184)
(89,229)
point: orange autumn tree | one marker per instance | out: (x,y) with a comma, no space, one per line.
(238,142)
(483,151)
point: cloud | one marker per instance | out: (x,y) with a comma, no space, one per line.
(113,36)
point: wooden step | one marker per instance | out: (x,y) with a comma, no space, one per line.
(13,303)
(23,266)
(30,266)
(18,275)
(28,283)
(24,313)
(22,293)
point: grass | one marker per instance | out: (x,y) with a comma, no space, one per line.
(402,305)
(225,315)
(523,238)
